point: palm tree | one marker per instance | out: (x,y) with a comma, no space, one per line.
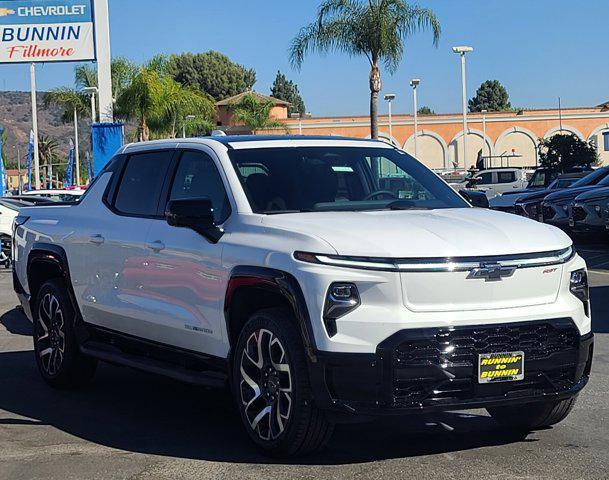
(376,29)
(255,113)
(175,103)
(69,100)
(139,100)
(123,71)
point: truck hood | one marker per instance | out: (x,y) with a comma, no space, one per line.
(594,194)
(463,232)
(568,194)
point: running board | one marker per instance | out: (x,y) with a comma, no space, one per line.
(106,353)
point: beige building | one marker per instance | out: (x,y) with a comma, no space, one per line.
(511,138)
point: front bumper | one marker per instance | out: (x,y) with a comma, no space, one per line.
(556,215)
(436,369)
(585,218)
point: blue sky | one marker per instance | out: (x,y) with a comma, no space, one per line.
(538,49)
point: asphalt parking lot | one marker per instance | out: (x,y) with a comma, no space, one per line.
(130,425)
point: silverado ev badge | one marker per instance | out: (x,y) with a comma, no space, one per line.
(491,272)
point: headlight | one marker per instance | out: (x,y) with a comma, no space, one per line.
(341,299)
(579,288)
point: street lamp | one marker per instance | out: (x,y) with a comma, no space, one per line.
(390,97)
(414,83)
(188,118)
(484,112)
(462,50)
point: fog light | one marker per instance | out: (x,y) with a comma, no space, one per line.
(341,299)
(579,288)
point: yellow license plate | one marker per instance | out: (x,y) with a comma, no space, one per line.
(500,367)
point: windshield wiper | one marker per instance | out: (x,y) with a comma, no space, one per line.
(405,205)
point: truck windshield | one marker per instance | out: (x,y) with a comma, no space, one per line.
(305,179)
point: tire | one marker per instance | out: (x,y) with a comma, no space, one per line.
(533,416)
(270,374)
(57,355)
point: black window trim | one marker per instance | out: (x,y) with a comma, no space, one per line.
(113,188)
(166,190)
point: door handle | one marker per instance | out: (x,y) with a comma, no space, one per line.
(96,239)
(156,246)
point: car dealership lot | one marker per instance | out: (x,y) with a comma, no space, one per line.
(134,425)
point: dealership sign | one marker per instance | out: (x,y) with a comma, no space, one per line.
(46,31)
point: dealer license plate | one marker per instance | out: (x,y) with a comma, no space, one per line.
(500,367)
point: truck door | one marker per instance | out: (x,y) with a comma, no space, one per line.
(184,280)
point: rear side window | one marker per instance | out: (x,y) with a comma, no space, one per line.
(506,177)
(140,187)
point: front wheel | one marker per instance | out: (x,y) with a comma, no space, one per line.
(271,387)
(533,416)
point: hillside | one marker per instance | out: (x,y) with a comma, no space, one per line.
(16,119)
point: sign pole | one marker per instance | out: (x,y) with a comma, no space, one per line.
(104,78)
(35,124)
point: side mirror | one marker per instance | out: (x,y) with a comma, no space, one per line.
(475,197)
(196,214)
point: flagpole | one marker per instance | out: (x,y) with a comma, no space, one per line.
(35,124)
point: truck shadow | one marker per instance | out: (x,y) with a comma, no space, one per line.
(138,412)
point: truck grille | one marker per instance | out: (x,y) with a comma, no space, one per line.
(440,365)
(579,214)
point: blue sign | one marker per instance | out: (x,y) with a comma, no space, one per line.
(46,31)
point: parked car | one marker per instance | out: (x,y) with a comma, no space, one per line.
(541,180)
(57,195)
(8,212)
(317,295)
(529,205)
(555,207)
(496,181)
(588,212)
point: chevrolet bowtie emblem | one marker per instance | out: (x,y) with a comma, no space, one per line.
(491,272)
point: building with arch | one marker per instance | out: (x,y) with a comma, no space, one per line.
(511,137)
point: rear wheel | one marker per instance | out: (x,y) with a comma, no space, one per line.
(533,416)
(59,360)
(272,390)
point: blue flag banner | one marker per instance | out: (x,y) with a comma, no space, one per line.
(90,168)
(2,171)
(70,170)
(30,153)
(106,139)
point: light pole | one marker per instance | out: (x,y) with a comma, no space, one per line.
(462,50)
(484,112)
(390,97)
(188,118)
(92,91)
(414,83)
(299,117)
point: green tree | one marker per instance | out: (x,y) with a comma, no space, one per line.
(287,90)
(123,71)
(562,152)
(376,29)
(490,96)
(425,111)
(254,113)
(211,73)
(69,100)
(159,104)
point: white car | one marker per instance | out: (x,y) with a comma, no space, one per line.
(8,212)
(57,195)
(291,269)
(497,181)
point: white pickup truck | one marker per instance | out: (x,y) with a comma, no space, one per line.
(293,271)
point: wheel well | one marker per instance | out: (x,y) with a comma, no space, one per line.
(245,301)
(41,271)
